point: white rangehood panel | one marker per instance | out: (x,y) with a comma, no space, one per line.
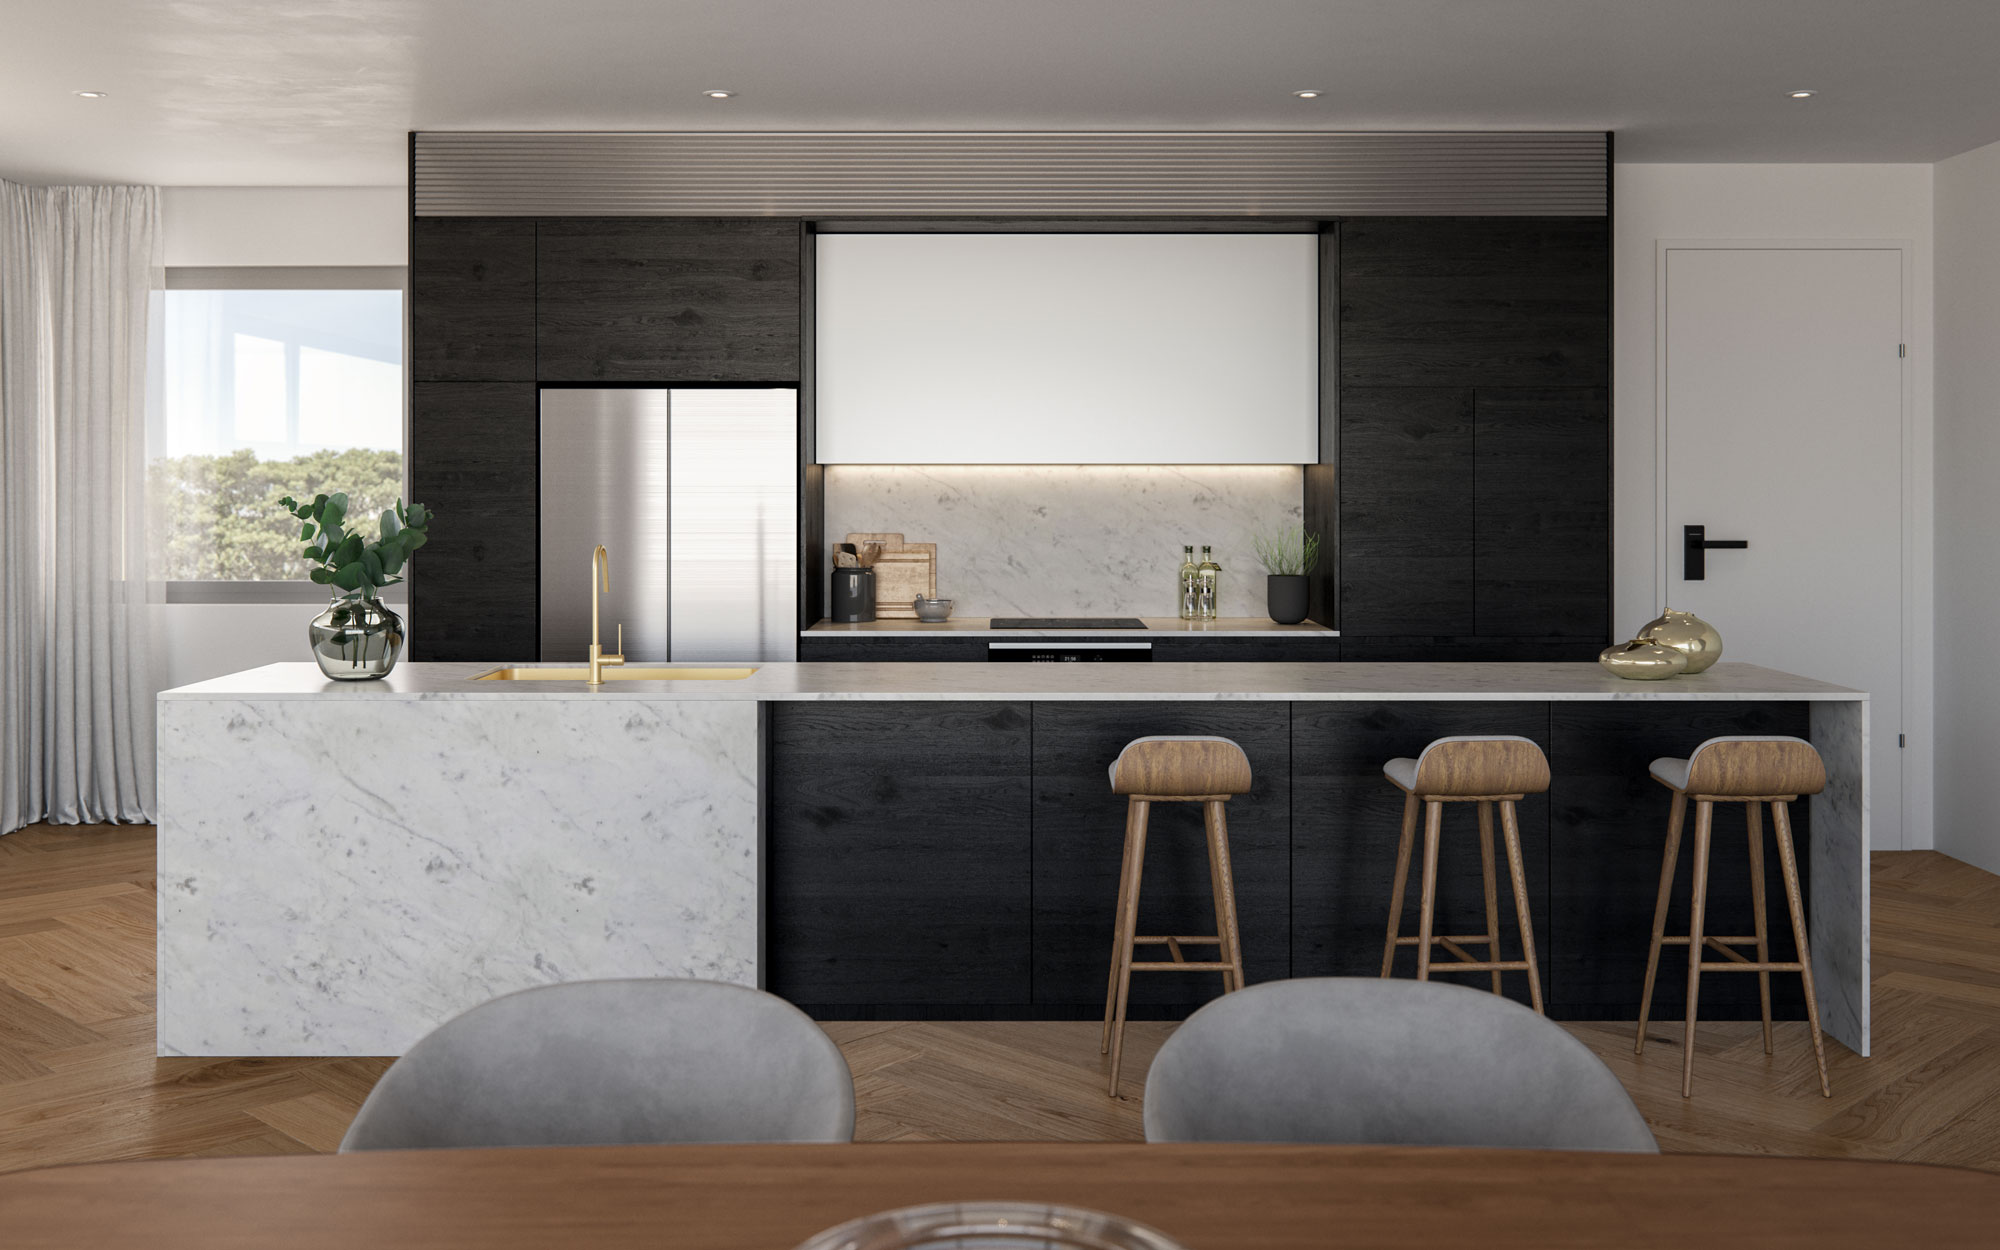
(1067,348)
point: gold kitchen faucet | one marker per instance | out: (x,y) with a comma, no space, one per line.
(600,584)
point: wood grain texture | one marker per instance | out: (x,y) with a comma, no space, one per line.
(1206,1197)
(1486,768)
(936,650)
(1401,649)
(1186,769)
(1609,828)
(656,299)
(1541,527)
(1475,302)
(472,299)
(1345,821)
(75,1092)
(1755,770)
(1077,844)
(474,450)
(897,854)
(1406,511)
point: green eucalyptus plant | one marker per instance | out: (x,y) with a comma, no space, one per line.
(1290,553)
(353,567)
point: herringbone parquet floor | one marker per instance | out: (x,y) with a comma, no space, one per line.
(79,1082)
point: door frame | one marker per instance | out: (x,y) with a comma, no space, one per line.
(1913,820)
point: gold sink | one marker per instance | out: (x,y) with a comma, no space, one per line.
(621,673)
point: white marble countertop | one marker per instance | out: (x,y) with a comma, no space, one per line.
(982,627)
(1277,682)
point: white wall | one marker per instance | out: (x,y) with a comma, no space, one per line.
(285,225)
(1756,202)
(219,226)
(1967,725)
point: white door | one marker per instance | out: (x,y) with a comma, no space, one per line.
(1782,371)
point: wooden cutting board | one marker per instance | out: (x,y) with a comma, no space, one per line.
(900,576)
(902,572)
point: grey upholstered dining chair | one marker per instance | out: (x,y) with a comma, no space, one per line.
(1395,1063)
(614,1063)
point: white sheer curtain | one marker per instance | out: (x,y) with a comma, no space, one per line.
(78,266)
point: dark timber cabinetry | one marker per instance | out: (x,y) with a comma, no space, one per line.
(960,859)
(500,304)
(1473,430)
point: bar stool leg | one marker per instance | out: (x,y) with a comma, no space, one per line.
(1410,805)
(1704,815)
(1674,820)
(1223,882)
(1754,818)
(1117,928)
(1427,911)
(1492,889)
(1128,927)
(1510,826)
(1781,820)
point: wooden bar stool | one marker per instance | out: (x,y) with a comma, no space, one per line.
(1485,771)
(1750,771)
(1208,771)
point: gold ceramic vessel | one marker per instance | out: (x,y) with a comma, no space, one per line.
(1688,634)
(1640,660)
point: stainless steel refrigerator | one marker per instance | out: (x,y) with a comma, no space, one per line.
(694,491)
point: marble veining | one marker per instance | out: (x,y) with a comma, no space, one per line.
(1072,540)
(1295,682)
(341,879)
(1838,921)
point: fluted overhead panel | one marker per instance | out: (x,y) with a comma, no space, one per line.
(1265,174)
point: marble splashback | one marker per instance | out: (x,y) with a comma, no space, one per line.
(1072,540)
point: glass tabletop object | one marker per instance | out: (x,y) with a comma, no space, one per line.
(991,1226)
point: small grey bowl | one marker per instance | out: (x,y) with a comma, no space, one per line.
(932,610)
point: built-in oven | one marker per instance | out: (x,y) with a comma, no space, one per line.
(1069,652)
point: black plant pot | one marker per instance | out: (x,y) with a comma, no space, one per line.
(1285,596)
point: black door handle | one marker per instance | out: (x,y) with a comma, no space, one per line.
(1695,546)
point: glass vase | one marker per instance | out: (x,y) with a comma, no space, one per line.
(356,639)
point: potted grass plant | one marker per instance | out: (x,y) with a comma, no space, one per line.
(357,637)
(1288,557)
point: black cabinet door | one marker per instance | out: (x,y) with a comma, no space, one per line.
(1079,842)
(474,586)
(937,650)
(668,300)
(1270,648)
(1608,831)
(1346,818)
(1475,301)
(472,299)
(897,856)
(1541,527)
(1474,428)
(1406,480)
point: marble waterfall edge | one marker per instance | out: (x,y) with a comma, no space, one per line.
(340,877)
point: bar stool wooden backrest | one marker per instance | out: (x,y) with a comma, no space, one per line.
(1752,771)
(1490,771)
(1172,769)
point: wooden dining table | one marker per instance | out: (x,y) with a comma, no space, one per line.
(1208,1197)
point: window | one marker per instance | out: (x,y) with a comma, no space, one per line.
(272,382)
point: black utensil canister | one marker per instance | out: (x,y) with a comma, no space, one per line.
(853,597)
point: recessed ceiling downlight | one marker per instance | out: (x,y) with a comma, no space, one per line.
(715,94)
(1307,95)
(90,95)
(1802,95)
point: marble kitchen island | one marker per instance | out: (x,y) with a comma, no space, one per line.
(344,865)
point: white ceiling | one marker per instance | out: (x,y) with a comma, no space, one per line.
(276,92)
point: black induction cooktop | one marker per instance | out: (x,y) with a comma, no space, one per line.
(1068,622)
